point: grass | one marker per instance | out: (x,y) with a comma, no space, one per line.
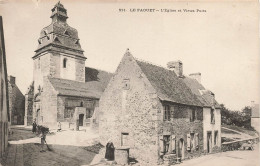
(228,131)
(240,129)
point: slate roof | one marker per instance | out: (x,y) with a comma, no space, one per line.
(93,87)
(196,87)
(255,111)
(168,85)
(101,76)
(59,36)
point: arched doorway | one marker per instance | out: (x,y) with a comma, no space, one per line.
(81,119)
(181,149)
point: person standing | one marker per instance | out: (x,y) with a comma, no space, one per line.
(110,150)
(34,126)
(59,127)
(43,138)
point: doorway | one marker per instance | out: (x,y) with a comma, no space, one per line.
(38,115)
(209,142)
(181,149)
(81,118)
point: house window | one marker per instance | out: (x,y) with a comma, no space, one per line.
(212,116)
(216,138)
(167,113)
(64,63)
(124,139)
(166,143)
(192,142)
(126,84)
(89,113)
(193,115)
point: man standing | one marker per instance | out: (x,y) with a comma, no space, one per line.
(34,126)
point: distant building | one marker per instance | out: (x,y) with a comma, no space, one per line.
(4,107)
(158,112)
(61,82)
(16,103)
(255,117)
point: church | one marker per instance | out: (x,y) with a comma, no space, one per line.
(63,89)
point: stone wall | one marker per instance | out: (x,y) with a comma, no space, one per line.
(71,103)
(49,104)
(28,118)
(180,126)
(129,105)
(16,104)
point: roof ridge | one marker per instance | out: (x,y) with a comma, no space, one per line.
(151,63)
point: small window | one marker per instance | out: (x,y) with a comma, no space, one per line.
(66,33)
(212,116)
(124,139)
(77,42)
(193,115)
(56,39)
(167,113)
(216,138)
(166,144)
(126,84)
(64,63)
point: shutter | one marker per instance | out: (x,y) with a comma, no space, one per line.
(161,144)
(173,143)
(188,141)
(196,140)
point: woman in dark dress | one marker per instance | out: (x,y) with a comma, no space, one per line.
(34,127)
(110,149)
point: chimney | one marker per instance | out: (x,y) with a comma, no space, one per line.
(11,79)
(176,66)
(196,76)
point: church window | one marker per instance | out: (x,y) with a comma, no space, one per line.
(66,33)
(56,39)
(64,63)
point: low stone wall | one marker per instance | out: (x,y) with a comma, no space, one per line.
(236,145)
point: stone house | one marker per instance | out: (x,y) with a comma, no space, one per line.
(255,117)
(63,89)
(157,112)
(4,106)
(16,103)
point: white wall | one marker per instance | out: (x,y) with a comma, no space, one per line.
(207,126)
(70,71)
(255,123)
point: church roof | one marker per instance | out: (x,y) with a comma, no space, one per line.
(64,87)
(168,85)
(101,76)
(59,36)
(93,87)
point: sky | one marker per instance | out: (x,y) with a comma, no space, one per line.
(221,43)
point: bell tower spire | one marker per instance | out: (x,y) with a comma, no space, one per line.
(59,13)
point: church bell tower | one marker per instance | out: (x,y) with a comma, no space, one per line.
(59,52)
